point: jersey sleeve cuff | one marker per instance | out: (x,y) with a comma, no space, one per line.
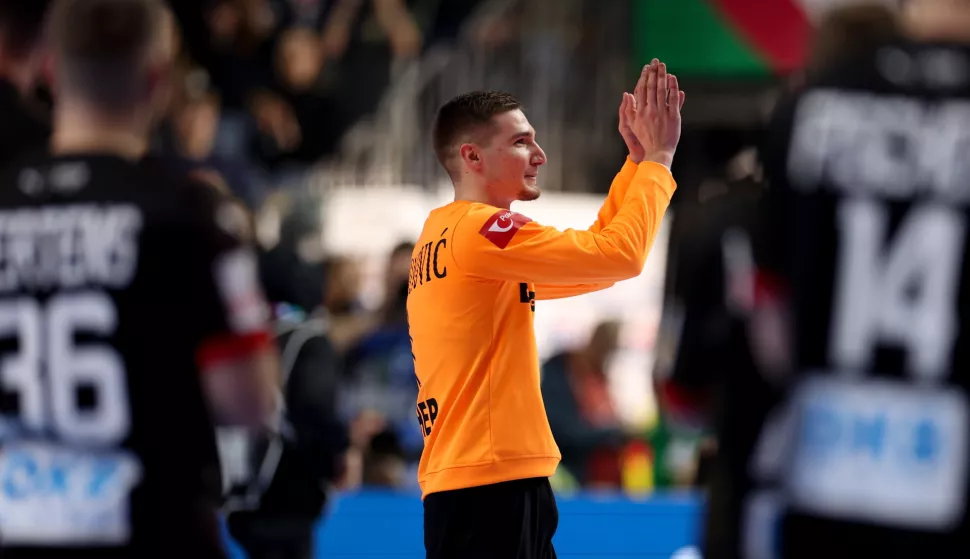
(652,171)
(219,349)
(629,169)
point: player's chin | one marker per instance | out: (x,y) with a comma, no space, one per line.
(530,191)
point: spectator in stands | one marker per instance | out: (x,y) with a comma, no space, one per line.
(241,43)
(277,129)
(195,123)
(581,412)
(291,263)
(257,122)
(384,463)
(380,366)
(189,134)
(342,302)
(342,286)
(397,271)
(381,32)
(298,66)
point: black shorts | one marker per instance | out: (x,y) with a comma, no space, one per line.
(511,520)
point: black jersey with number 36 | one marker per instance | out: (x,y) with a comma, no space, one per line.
(119,283)
(870,199)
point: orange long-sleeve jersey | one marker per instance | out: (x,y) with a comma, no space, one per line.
(476,273)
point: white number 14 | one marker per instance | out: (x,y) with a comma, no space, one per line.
(905,295)
(46,344)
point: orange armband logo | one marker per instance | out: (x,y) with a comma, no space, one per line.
(501,227)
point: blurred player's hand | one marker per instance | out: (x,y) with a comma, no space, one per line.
(657,113)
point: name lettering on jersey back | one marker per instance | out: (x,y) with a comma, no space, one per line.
(892,147)
(429,263)
(427,412)
(68,246)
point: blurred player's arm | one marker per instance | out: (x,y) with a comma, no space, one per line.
(237,358)
(502,245)
(771,238)
(618,190)
(767,289)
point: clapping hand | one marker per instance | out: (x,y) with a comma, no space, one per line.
(650,120)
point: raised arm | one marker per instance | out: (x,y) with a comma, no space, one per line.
(618,191)
(611,206)
(508,246)
(504,245)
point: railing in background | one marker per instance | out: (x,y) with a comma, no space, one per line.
(567,60)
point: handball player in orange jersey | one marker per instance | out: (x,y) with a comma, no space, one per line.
(476,272)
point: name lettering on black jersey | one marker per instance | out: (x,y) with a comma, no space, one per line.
(120,281)
(68,246)
(892,147)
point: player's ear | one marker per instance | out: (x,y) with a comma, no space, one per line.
(471,155)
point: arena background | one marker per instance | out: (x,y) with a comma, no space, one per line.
(320,122)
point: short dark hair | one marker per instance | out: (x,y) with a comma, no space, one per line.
(465,116)
(104,47)
(21,24)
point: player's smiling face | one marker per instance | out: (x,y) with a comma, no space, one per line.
(512,159)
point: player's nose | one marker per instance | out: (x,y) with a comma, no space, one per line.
(538,156)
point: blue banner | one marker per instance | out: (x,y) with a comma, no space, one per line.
(380,525)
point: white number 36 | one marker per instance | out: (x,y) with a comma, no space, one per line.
(46,338)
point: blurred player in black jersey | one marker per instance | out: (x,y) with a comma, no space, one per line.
(711,373)
(23,124)
(131,316)
(862,305)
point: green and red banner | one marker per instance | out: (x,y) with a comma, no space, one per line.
(723,38)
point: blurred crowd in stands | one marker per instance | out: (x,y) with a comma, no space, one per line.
(270,87)
(267,88)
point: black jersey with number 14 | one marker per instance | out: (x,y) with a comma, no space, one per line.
(869,456)
(119,282)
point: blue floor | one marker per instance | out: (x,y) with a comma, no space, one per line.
(372,525)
